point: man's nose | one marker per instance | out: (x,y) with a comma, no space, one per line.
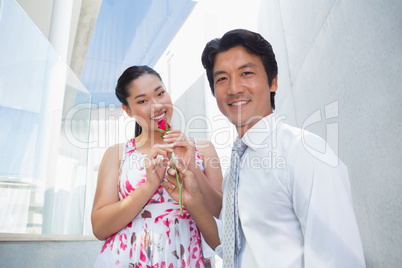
(235,86)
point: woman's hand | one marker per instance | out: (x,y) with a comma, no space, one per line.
(156,166)
(184,147)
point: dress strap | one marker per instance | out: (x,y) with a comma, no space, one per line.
(128,149)
(197,154)
(198,159)
(195,143)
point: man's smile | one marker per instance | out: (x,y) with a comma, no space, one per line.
(239,103)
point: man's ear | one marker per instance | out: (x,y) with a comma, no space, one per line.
(274,85)
(127,110)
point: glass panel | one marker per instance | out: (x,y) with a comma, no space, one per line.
(44,114)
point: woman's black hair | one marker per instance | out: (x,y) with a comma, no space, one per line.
(128,76)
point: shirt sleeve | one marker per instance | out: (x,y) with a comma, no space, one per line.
(323,204)
(207,251)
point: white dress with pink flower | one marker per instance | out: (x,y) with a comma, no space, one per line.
(158,237)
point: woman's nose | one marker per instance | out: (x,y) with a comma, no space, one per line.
(156,106)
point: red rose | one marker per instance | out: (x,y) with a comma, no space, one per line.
(163,125)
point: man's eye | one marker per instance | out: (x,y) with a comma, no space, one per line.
(220,79)
(247,73)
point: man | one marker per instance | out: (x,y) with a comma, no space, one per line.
(295,211)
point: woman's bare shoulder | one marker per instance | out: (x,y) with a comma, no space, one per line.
(205,147)
(114,152)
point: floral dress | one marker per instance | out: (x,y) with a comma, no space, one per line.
(158,237)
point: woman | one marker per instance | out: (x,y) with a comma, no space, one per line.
(141,223)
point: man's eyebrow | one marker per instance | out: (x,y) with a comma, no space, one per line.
(143,95)
(218,73)
(247,65)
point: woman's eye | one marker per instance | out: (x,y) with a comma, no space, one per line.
(161,93)
(141,101)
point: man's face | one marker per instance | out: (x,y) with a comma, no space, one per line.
(241,88)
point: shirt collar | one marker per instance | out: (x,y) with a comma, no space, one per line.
(264,128)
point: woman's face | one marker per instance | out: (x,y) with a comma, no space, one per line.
(148,102)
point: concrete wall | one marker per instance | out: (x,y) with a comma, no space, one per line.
(69,254)
(40,12)
(190,112)
(83,18)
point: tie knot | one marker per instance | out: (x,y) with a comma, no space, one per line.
(239,147)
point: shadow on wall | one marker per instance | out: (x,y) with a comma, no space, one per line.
(190,112)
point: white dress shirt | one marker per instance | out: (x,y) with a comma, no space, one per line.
(295,209)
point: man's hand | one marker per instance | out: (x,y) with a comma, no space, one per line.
(191,195)
(193,201)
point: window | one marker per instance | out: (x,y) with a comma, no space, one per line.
(42,106)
